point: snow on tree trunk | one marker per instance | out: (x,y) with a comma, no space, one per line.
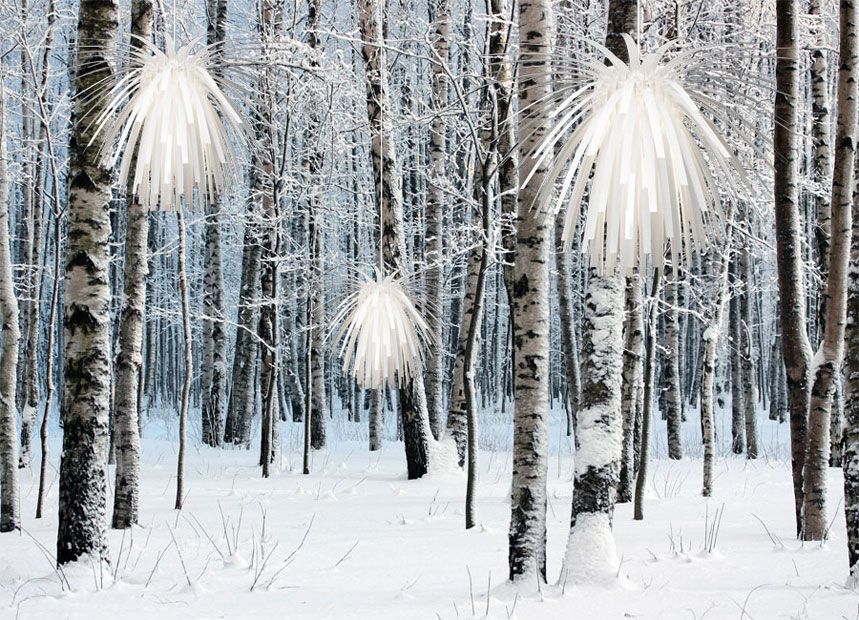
(417,433)
(671,365)
(440,14)
(631,384)
(591,554)
(530,307)
(827,361)
(9,503)
(126,428)
(86,317)
(214,379)
(788,229)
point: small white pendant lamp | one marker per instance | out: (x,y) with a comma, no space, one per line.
(383,335)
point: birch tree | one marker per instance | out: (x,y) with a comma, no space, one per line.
(9,509)
(599,428)
(631,384)
(389,195)
(671,371)
(316,319)
(214,378)
(530,305)
(827,362)
(135,270)
(788,229)
(86,316)
(440,16)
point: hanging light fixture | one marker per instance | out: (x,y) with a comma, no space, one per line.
(168,117)
(638,136)
(383,334)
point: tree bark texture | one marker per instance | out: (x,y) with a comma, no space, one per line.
(86,316)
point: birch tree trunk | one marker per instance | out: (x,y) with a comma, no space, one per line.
(631,384)
(647,399)
(457,421)
(747,360)
(9,515)
(530,306)
(316,320)
(827,364)
(569,338)
(599,435)
(269,332)
(599,428)
(126,429)
(789,257)
(214,379)
(86,317)
(671,374)
(188,370)
(820,131)
(375,420)
(483,189)
(28,250)
(710,337)
(440,10)
(242,401)
(738,433)
(508,150)
(30,380)
(389,194)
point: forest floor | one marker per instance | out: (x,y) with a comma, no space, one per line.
(357,540)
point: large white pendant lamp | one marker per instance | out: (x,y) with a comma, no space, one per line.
(168,117)
(640,139)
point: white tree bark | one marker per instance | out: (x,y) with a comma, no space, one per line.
(789,255)
(827,361)
(126,430)
(440,14)
(530,306)
(214,370)
(633,358)
(86,317)
(9,515)
(671,367)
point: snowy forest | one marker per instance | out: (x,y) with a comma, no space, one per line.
(429,309)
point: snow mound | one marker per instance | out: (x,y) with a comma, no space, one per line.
(591,557)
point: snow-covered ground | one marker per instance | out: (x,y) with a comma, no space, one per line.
(357,540)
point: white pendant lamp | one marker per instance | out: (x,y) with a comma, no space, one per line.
(169,118)
(639,138)
(383,335)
